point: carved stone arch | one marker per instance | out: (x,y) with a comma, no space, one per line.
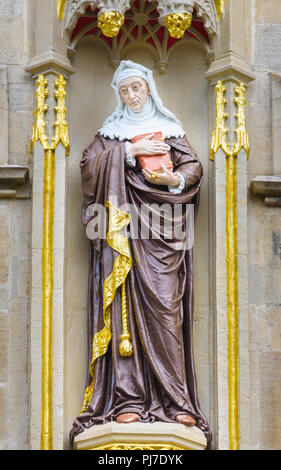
(73,11)
(142,27)
(149,47)
(206,10)
(179,44)
(95,40)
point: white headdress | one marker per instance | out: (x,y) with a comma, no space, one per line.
(123,123)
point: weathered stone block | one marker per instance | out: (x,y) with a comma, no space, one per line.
(20,97)
(4,345)
(18,75)
(20,276)
(268,11)
(18,371)
(270,400)
(267,47)
(3,298)
(21,230)
(269,329)
(4,412)
(11,7)
(11,40)
(3,115)
(5,243)
(20,129)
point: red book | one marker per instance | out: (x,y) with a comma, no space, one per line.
(153,162)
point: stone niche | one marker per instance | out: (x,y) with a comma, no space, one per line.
(184,90)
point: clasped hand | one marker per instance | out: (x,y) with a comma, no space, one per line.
(151,148)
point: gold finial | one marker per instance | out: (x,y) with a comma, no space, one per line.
(110,23)
(38,130)
(177,23)
(241,132)
(61,123)
(61,8)
(219,133)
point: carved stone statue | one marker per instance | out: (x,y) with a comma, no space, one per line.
(140,297)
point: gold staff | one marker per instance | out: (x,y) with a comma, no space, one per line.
(218,140)
(61,135)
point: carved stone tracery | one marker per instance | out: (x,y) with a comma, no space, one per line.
(141,27)
(206,10)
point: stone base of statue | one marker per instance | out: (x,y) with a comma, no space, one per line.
(140,436)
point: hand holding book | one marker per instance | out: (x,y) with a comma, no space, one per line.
(153,155)
(165,177)
(148,146)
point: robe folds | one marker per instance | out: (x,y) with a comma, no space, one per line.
(157,380)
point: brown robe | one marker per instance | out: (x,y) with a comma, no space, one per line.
(158,380)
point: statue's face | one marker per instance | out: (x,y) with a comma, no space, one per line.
(134,92)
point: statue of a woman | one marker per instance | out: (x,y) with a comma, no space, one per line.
(140,298)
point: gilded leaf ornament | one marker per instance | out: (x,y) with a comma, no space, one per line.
(177,23)
(139,446)
(219,4)
(110,23)
(61,124)
(218,139)
(242,138)
(61,8)
(38,130)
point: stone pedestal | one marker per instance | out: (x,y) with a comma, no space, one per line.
(139,436)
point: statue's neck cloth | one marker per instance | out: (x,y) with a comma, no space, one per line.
(124,124)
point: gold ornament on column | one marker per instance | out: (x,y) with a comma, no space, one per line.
(242,141)
(177,23)
(219,4)
(110,23)
(38,130)
(242,138)
(62,136)
(61,124)
(219,141)
(232,300)
(60,8)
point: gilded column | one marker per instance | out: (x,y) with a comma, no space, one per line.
(220,149)
(49,66)
(47,264)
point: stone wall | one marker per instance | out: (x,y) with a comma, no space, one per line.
(264,235)
(16,104)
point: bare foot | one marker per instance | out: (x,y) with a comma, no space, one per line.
(186,420)
(127,418)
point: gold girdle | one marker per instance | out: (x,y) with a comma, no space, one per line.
(117,221)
